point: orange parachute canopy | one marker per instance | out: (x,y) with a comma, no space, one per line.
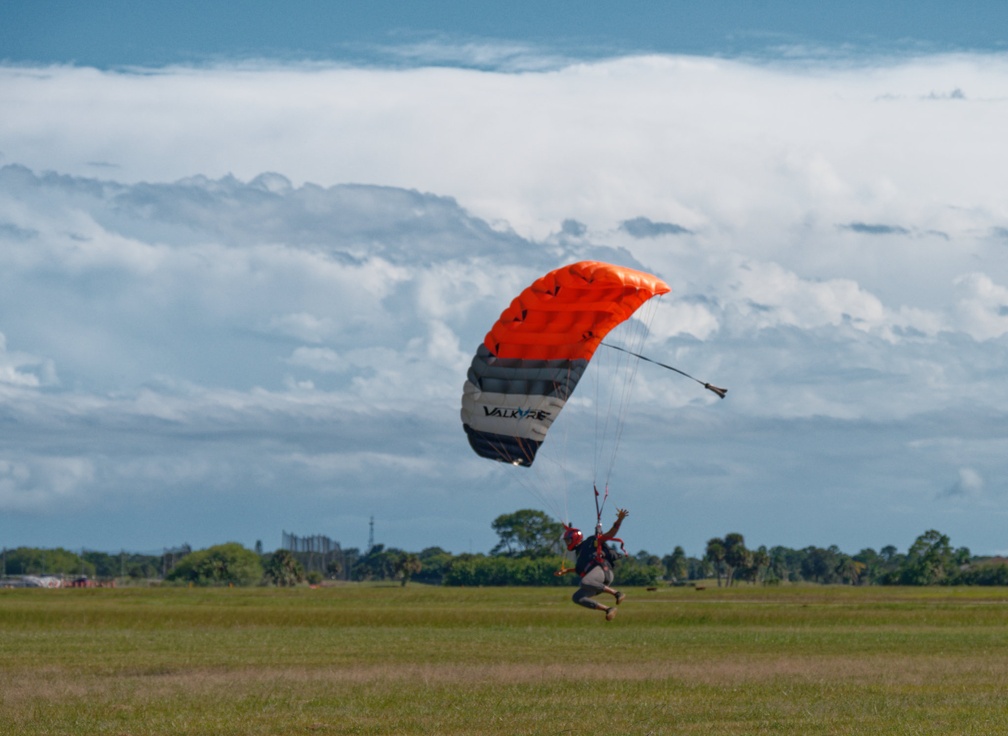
(536,352)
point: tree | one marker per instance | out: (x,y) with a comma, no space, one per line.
(34,561)
(333,569)
(820,564)
(759,562)
(872,565)
(123,565)
(676,565)
(386,564)
(377,564)
(526,533)
(698,568)
(434,561)
(962,556)
(406,566)
(888,566)
(641,569)
(646,558)
(472,570)
(929,560)
(283,569)
(736,556)
(849,570)
(785,564)
(223,564)
(984,572)
(715,554)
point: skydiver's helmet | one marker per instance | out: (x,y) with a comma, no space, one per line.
(572,537)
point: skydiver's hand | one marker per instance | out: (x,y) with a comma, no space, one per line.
(621,514)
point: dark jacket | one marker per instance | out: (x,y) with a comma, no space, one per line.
(587,557)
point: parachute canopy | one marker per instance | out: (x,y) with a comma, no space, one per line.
(535,354)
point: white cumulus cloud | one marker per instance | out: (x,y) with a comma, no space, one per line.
(266,295)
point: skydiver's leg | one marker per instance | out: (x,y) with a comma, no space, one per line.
(593,583)
(612,591)
(583,597)
(615,594)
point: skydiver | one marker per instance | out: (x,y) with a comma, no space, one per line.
(593,562)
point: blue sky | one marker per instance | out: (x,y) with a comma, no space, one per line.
(112,34)
(245,260)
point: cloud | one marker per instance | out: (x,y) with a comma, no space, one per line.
(956,94)
(869,229)
(534,149)
(323,360)
(969,484)
(302,326)
(983,306)
(771,295)
(642,227)
(441,50)
(573,228)
(239,355)
(20,369)
(43,485)
(268,299)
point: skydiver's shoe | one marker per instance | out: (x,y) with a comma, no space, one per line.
(611,613)
(619,597)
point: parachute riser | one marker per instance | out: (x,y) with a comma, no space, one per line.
(598,509)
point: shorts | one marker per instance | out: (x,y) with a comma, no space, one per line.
(597,578)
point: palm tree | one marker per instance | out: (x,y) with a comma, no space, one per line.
(736,557)
(675,565)
(850,570)
(715,553)
(406,566)
(760,563)
(284,569)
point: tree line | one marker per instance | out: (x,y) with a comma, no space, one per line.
(930,560)
(528,553)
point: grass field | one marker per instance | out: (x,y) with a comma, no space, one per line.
(362,659)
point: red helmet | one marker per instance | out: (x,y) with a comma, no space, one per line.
(572,537)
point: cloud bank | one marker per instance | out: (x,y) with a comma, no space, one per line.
(237,299)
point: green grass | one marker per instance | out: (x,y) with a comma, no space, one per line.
(359,659)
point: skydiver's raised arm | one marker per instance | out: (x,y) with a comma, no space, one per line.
(620,515)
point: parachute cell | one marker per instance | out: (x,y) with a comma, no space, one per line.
(538,350)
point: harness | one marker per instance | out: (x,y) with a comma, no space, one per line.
(601,554)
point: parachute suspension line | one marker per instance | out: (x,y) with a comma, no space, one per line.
(526,477)
(709,386)
(562,480)
(524,459)
(609,374)
(641,328)
(549,479)
(603,413)
(624,373)
(545,482)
